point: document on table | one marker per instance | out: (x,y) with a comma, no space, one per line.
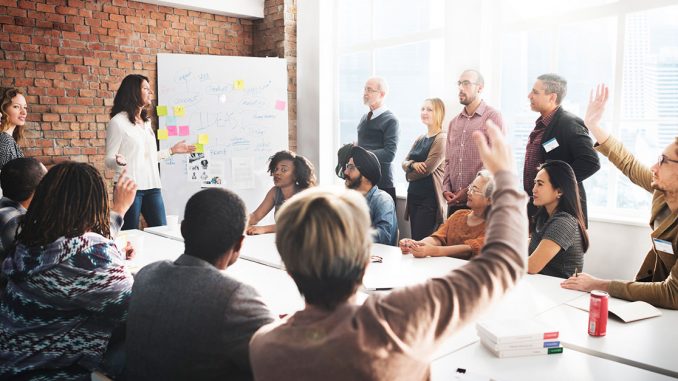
(623,309)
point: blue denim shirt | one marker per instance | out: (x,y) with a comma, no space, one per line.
(383,216)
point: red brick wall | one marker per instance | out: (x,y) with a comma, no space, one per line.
(70,56)
(276,36)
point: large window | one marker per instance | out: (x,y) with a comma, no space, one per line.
(399,42)
(630,45)
(634,52)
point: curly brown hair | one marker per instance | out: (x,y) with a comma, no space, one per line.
(304,173)
(6,96)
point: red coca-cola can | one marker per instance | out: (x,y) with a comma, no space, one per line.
(598,313)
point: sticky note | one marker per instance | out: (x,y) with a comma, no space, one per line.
(183,131)
(172,131)
(279,105)
(162,134)
(161,110)
(170,121)
(179,110)
(203,139)
(238,84)
(199,148)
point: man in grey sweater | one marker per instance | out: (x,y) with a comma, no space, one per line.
(378,131)
(187,320)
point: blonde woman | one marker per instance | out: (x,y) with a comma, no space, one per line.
(424,167)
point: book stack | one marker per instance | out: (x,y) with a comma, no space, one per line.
(518,337)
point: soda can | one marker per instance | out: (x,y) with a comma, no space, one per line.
(598,313)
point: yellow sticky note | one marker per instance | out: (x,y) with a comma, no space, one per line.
(161,110)
(239,84)
(203,139)
(199,148)
(162,134)
(179,110)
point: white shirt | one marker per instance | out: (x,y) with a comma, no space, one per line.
(379,110)
(137,144)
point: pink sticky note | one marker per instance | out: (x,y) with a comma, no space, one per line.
(172,130)
(280,105)
(183,131)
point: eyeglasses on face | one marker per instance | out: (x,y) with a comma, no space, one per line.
(370,90)
(474,190)
(350,167)
(662,159)
(466,83)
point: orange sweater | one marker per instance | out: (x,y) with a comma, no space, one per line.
(455,231)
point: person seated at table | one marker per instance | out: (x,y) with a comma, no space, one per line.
(187,319)
(657,279)
(392,336)
(558,238)
(362,172)
(463,233)
(68,286)
(291,174)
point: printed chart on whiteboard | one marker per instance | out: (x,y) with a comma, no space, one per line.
(234,109)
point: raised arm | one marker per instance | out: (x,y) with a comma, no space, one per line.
(423,315)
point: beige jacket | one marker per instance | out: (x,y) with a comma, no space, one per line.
(435,167)
(657,279)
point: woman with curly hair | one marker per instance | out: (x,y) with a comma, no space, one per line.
(291,173)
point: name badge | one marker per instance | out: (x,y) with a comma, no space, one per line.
(663,246)
(550,145)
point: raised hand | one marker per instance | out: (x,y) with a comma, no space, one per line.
(496,155)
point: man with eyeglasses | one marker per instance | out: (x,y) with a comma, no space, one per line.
(362,172)
(557,135)
(461,155)
(378,131)
(657,279)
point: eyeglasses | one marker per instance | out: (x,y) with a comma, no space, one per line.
(350,167)
(474,190)
(376,259)
(664,159)
(466,83)
(370,90)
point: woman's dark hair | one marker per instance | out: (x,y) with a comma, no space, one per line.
(304,173)
(128,98)
(69,201)
(6,96)
(562,177)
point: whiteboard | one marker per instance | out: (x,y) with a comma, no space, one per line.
(240,103)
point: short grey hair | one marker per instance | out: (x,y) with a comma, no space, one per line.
(489,186)
(381,82)
(554,84)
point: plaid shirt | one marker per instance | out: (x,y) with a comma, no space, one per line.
(10,211)
(534,156)
(461,155)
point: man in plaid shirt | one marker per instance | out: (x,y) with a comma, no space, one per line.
(461,158)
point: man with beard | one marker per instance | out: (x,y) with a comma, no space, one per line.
(657,279)
(462,161)
(378,131)
(362,173)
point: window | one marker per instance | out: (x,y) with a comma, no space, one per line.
(401,43)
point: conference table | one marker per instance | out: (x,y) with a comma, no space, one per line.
(639,350)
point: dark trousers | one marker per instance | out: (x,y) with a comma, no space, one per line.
(454,207)
(423,211)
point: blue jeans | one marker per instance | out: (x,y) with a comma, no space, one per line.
(149,203)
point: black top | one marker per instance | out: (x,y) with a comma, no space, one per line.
(424,186)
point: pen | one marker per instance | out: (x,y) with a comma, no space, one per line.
(576,274)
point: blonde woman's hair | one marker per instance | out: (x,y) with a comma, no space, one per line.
(438,111)
(324,238)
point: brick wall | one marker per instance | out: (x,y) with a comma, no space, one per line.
(70,56)
(276,36)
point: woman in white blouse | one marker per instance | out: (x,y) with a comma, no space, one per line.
(130,143)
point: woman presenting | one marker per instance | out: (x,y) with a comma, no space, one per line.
(131,144)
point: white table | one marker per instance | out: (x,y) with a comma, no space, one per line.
(649,344)
(481,364)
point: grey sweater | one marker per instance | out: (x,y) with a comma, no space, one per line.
(380,136)
(189,321)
